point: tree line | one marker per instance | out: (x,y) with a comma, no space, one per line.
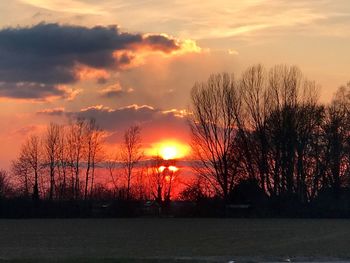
(267,127)
(62,163)
(259,138)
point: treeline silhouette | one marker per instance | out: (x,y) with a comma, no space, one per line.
(265,136)
(262,145)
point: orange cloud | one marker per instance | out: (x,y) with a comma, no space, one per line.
(177,113)
(53,111)
(83,72)
(161,45)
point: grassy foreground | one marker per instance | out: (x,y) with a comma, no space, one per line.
(173,240)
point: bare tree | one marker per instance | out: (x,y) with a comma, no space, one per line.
(163,180)
(171,178)
(258,107)
(63,162)
(21,170)
(5,186)
(52,147)
(93,147)
(283,117)
(141,187)
(156,177)
(89,137)
(31,154)
(213,126)
(131,153)
(75,142)
(112,167)
(336,136)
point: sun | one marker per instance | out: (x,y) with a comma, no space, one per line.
(169,150)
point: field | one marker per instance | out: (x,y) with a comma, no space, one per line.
(173,240)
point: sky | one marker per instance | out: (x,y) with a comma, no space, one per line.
(135,62)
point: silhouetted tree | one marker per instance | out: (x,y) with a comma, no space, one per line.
(214,128)
(131,153)
(278,136)
(156,178)
(63,162)
(264,140)
(20,168)
(112,167)
(254,132)
(5,186)
(336,135)
(194,191)
(93,137)
(75,142)
(31,155)
(51,145)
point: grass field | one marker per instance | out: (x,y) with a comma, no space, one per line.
(173,240)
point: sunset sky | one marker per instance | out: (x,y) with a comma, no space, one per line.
(127,62)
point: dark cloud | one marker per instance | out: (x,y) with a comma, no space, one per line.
(112,93)
(101,80)
(153,121)
(45,55)
(169,124)
(31,90)
(161,42)
(114,119)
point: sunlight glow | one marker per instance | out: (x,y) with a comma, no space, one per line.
(168,150)
(173,168)
(161,169)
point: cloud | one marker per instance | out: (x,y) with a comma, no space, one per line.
(214,20)
(35,60)
(113,91)
(31,90)
(59,111)
(161,43)
(70,6)
(115,119)
(156,123)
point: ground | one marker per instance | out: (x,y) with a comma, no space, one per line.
(173,240)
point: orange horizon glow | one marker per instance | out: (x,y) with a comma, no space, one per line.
(169,150)
(171,168)
(161,168)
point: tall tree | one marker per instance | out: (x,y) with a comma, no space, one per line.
(214,128)
(22,171)
(63,162)
(93,141)
(336,135)
(31,154)
(131,153)
(5,186)
(283,116)
(75,141)
(156,176)
(52,147)
(257,106)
